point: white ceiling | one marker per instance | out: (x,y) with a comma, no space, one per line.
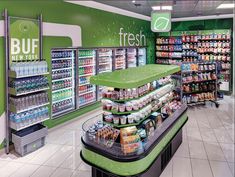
(181,8)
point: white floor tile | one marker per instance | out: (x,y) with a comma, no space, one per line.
(201,168)
(197,150)
(3,163)
(228,150)
(73,161)
(168,170)
(25,171)
(58,158)
(84,167)
(43,171)
(220,169)
(181,167)
(231,165)
(222,136)
(183,150)
(10,168)
(214,151)
(208,135)
(81,174)
(62,172)
(193,134)
(45,154)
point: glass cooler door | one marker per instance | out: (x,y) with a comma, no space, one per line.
(131,57)
(120,59)
(63,81)
(142,56)
(86,69)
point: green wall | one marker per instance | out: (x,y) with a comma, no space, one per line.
(99,28)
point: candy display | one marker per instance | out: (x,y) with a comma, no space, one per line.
(62,81)
(200,97)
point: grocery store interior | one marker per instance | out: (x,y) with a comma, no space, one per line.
(112,88)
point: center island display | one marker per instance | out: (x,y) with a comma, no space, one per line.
(141,126)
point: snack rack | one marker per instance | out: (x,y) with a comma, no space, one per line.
(120,147)
(199,82)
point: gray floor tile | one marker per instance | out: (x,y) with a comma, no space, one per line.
(214,151)
(201,168)
(197,150)
(220,169)
(181,167)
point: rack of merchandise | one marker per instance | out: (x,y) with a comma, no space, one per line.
(63,81)
(199,82)
(119,58)
(86,69)
(141,127)
(201,46)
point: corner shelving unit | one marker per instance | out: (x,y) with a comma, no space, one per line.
(144,157)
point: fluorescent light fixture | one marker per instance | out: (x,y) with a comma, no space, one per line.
(156,7)
(226,6)
(133,1)
(162,7)
(166,7)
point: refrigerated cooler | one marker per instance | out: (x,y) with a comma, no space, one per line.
(119,58)
(63,81)
(131,57)
(142,56)
(86,69)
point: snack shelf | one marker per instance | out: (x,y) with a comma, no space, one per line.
(189,82)
(61,89)
(14,125)
(59,69)
(12,74)
(134,77)
(14,110)
(131,99)
(138,123)
(12,91)
(198,71)
(199,102)
(199,91)
(214,39)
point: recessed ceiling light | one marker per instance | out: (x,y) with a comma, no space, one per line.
(162,7)
(226,6)
(166,7)
(133,1)
(156,7)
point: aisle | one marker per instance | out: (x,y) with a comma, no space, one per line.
(207,149)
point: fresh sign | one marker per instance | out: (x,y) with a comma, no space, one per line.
(24,39)
(161,21)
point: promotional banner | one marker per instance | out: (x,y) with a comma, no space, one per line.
(24,39)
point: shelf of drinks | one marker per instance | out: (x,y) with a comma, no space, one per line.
(88,83)
(83,66)
(63,111)
(54,80)
(13,91)
(86,103)
(14,109)
(190,82)
(16,126)
(108,55)
(63,99)
(90,56)
(59,69)
(132,99)
(138,123)
(66,58)
(89,74)
(84,93)
(61,89)
(106,63)
(199,91)
(13,74)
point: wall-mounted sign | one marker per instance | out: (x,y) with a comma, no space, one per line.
(161,21)
(24,39)
(130,39)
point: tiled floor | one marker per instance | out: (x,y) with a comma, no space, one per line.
(207,149)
